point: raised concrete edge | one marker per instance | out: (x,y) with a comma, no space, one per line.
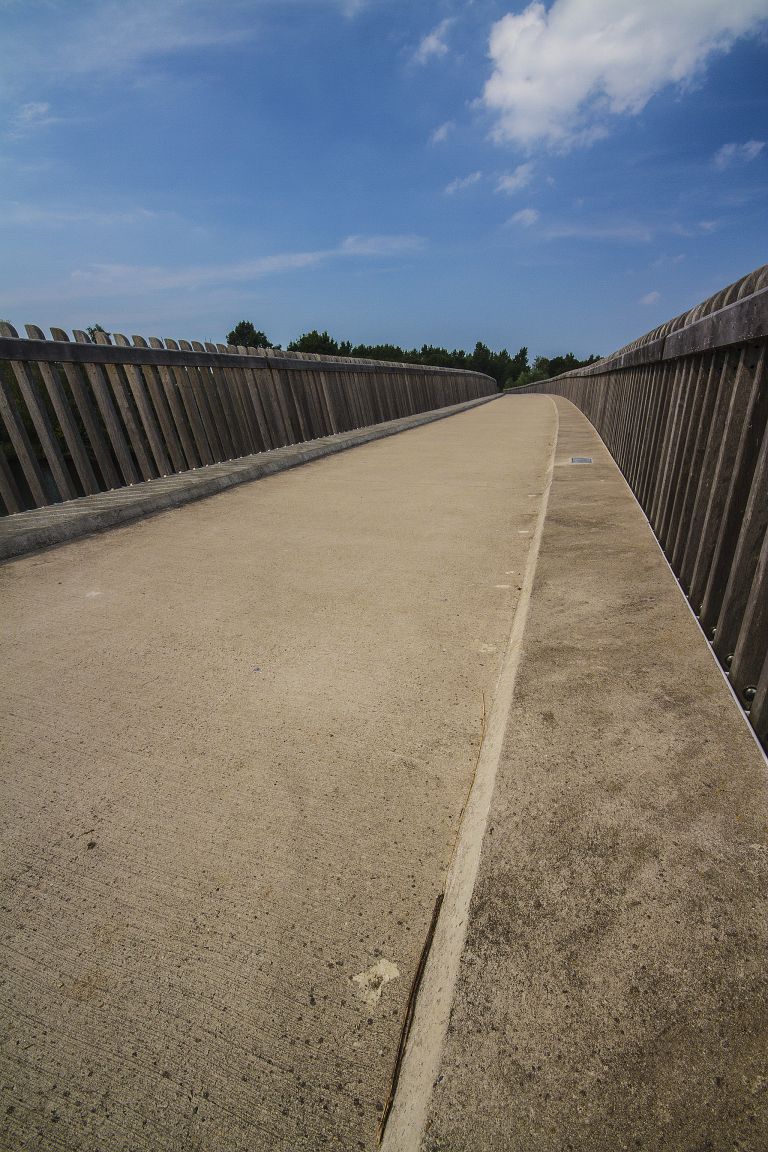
(40,528)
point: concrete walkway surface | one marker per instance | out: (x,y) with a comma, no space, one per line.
(240,738)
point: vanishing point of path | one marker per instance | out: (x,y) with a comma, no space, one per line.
(240,736)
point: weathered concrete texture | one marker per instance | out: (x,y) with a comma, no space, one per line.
(612,992)
(238,739)
(73,519)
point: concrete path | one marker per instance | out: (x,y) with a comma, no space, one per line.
(239,739)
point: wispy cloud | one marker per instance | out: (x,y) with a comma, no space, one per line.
(395,245)
(667,261)
(634,233)
(731,154)
(694,229)
(434,44)
(526,217)
(110,36)
(30,118)
(559,73)
(115,38)
(650,298)
(17,214)
(462,182)
(442,132)
(129,279)
(514,181)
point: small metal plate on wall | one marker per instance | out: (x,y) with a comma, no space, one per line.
(581,459)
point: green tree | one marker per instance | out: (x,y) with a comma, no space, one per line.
(245,335)
(315,341)
(517,366)
(378,352)
(544,368)
(481,359)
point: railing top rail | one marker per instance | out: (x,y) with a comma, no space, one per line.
(63,351)
(749,285)
(734,315)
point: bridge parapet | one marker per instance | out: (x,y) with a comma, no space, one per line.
(81,417)
(684,412)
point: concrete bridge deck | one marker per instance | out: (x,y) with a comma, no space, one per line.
(240,739)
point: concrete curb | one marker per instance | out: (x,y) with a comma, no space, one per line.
(60,523)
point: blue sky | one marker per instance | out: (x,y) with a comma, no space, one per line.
(564,175)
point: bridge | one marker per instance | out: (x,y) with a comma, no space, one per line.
(401,798)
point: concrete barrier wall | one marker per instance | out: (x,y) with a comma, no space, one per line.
(684,412)
(78,417)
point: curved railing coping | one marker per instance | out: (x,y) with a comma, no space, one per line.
(35,346)
(732,316)
(748,285)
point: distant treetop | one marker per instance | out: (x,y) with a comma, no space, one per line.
(321,342)
(508,371)
(247,336)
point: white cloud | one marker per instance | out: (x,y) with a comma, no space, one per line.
(635,233)
(650,298)
(737,153)
(560,73)
(29,118)
(514,181)
(462,182)
(668,261)
(128,279)
(98,36)
(395,245)
(434,43)
(526,217)
(442,132)
(30,115)
(17,214)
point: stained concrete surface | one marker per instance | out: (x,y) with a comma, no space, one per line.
(612,991)
(238,739)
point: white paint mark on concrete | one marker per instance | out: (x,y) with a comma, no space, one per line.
(371,982)
(503,585)
(484,648)
(93,595)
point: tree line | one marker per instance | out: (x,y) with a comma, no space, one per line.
(508,371)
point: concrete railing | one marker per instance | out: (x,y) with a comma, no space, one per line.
(684,412)
(78,417)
